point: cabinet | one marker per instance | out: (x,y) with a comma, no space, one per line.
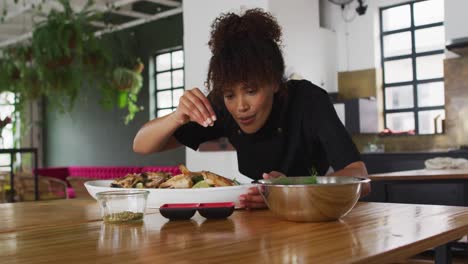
(438,192)
(359,115)
(359,84)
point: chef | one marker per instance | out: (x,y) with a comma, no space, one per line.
(277,127)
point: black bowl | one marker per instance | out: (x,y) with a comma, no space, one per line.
(216,210)
(178,211)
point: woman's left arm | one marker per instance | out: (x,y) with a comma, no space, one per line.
(356,169)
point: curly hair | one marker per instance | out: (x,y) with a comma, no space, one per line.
(245,50)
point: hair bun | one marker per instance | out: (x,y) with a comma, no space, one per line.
(253,24)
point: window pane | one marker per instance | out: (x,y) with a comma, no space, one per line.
(397,44)
(431,94)
(163,80)
(178,59)
(7,135)
(428,67)
(398,71)
(427,12)
(429,39)
(164,99)
(4,161)
(7,98)
(177,93)
(6,110)
(400,121)
(178,78)
(399,97)
(427,120)
(396,18)
(164,112)
(163,62)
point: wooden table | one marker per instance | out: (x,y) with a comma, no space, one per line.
(70,231)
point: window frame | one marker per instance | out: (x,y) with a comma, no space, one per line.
(12,131)
(416,109)
(171,69)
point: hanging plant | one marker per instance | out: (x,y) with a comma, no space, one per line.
(128,83)
(61,45)
(64,57)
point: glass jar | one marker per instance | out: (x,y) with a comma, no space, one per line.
(122,206)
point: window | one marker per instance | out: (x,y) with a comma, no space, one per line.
(412,48)
(168,80)
(7,100)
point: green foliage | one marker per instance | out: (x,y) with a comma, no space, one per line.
(63,46)
(63,58)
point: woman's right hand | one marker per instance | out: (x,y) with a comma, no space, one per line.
(195,107)
(253,199)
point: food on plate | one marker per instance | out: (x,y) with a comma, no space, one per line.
(178,181)
(216,180)
(141,180)
(201,184)
(188,179)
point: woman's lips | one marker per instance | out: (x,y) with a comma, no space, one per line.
(246,120)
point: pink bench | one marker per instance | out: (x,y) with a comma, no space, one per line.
(174,170)
(98,172)
(102,172)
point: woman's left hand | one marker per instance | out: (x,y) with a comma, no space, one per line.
(253,199)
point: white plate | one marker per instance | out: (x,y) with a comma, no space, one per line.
(158,197)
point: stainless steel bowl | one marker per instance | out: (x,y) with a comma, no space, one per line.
(329,199)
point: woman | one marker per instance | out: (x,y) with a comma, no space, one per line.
(277,127)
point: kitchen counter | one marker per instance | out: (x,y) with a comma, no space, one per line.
(370,233)
(441,187)
(424,174)
(403,161)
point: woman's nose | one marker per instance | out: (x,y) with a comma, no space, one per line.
(242,105)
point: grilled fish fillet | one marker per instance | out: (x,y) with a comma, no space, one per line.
(178,181)
(216,180)
(129,181)
(154,179)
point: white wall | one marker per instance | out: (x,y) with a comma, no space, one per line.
(456,25)
(198,16)
(358,43)
(308,49)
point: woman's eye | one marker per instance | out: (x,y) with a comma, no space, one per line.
(228,96)
(251,91)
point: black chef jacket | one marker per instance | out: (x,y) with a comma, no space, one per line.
(303,133)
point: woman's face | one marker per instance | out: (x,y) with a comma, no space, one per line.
(249,106)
